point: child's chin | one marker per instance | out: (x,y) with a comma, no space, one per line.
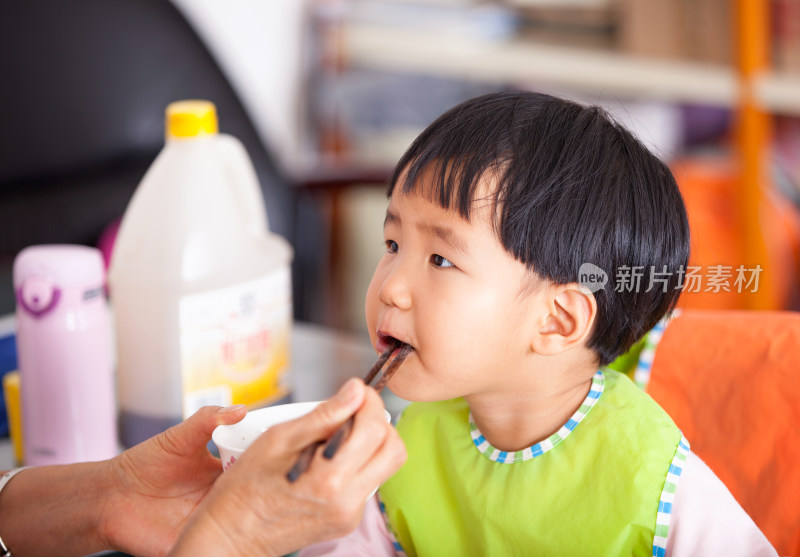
(400,389)
(409,392)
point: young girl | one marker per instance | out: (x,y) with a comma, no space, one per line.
(520,442)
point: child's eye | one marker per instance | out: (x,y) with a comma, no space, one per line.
(391,246)
(440,261)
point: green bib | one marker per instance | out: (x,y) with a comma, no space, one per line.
(593,488)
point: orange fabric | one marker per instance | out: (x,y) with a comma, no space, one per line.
(709,187)
(731,381)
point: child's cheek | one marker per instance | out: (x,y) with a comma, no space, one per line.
(371,305)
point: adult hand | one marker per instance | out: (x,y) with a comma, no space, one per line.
(253,509)
(158,484)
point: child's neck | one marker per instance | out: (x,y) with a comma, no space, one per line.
(516,419)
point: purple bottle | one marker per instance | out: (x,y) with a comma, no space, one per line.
(64,351)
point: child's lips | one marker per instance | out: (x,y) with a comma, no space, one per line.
(385,340)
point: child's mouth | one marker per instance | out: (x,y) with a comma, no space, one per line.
(385,341)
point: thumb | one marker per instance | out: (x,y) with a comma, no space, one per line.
(322,422)
(195,431)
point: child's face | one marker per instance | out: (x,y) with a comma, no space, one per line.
(448,288)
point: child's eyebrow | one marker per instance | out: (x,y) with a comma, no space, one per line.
(442,232)
(391,218)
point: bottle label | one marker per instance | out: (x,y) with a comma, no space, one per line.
(235,343)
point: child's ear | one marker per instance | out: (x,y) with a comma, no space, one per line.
(571,311)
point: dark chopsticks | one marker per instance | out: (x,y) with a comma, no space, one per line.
(387,375)
(376,367)
(344,430)
(304,460)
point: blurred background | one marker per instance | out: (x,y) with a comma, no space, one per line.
(326,95)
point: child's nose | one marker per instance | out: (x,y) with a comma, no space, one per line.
(395,288)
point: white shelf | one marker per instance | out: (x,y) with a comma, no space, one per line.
(779,93)
(525,63)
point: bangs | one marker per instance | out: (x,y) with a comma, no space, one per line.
(459,160)
(457,186)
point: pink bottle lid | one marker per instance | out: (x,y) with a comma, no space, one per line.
(43,273)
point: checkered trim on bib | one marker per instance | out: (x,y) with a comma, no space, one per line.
(398,548)
(487,450)
(641,375)
(668,496)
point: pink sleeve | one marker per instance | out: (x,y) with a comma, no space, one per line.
(707,520)
(370,539)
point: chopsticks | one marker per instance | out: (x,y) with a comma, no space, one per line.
(332,445)
(344,430)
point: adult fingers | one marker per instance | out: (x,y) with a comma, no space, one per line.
(373,449)
(383,464)
(374,445)
(195,431)
(320,423)
(349,478)
(370,428)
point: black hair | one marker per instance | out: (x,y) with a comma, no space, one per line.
(572,187)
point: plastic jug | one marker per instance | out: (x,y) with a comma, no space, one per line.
(201,290)
(64,351)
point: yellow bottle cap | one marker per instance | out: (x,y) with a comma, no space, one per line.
(191,119)
(11,382)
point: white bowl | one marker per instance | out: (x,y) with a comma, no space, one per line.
(232,440)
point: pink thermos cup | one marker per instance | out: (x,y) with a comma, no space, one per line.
(64,352)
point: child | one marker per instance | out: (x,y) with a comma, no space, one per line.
(520,442)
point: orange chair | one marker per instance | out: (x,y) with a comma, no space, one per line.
(708,186)
(731,381)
